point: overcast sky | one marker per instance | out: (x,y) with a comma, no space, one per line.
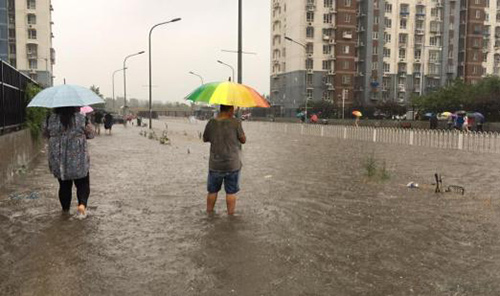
(92,38)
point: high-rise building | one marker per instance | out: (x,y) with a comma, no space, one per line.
(367,51)
(26,38)
(317,58)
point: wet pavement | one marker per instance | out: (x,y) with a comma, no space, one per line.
(309,222)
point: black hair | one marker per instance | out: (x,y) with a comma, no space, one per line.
(66,114)
(226,108)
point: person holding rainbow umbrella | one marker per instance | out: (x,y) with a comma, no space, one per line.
(358,114)
(225,135)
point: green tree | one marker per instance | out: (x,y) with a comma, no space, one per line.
(35,117)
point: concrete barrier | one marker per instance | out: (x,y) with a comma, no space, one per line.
(17,151)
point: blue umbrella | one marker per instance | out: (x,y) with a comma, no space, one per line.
(65,96)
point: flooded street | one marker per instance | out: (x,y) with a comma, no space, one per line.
(309,222)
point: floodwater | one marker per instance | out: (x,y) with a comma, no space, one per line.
(309,222)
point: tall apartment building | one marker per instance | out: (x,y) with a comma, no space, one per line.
(380,49)
(320,61)
(26,38)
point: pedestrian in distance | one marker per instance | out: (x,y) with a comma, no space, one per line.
(67,131)
(98,122)
(225,135)
(108,122)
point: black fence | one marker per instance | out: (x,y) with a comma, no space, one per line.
(13,100)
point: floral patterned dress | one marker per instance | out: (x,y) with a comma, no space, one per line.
(68,152)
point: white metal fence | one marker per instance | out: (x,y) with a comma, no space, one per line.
(444,139)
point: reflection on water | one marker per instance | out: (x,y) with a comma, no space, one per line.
(308,223)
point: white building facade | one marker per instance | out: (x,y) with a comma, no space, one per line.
(30,39)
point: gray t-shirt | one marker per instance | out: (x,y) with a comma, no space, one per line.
(225,148)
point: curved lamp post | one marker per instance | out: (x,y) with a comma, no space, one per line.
(192,73)
(125,78)
(232,69)
(114,73)
(151,71)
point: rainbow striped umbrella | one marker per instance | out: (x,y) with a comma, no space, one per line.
(228,93)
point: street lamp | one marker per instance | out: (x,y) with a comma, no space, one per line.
(232,69)
(125,79)
(192,73)
(113,83)
(305,76)
(151,71)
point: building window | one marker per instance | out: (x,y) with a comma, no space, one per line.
(402,24)
(347,18)
(375,50)
(31,4)
(402,53)
(310,48)
(31,34)
(375,20)
(327,65)
(310,17)
(375,35)
(347,3)
(388,23)
(345,65)
(387,37)
(345,49)
(310,32)
(388,7)
(478,14)
(327,18)
(31,19)
(33,64)
(475,56)
(309,64)
(309,93)
(387,68)
(418,54)
(328,3)
(387,52)
(346,79)
(327,49)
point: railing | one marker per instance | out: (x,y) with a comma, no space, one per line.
(12,97)
(441,139)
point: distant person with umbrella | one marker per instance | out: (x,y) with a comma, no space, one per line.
(108,122)
(67,130)
(479,121)
(98,116)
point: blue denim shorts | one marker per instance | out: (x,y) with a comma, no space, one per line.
(231,182)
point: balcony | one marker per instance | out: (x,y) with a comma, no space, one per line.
(347,35)
(32,55)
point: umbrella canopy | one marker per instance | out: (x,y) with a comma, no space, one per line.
(429,114)
(357,113)
(446,114)
(478,115)
(228,93)
(65,96)
(461,112)
(86,109)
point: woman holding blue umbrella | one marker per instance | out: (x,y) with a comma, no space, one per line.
(67,131)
